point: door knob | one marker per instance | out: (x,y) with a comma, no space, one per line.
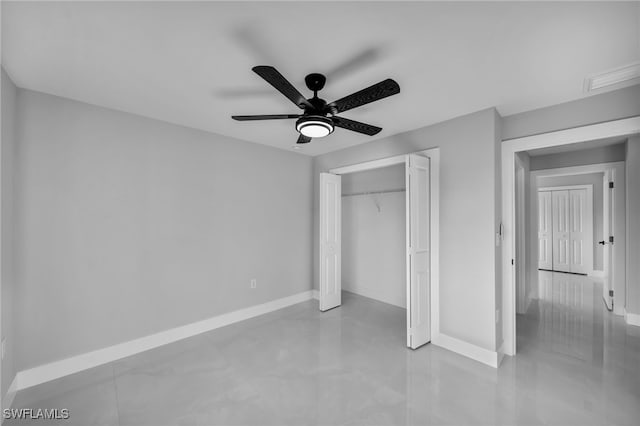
(601,242)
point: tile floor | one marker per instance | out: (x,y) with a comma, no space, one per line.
(577,365)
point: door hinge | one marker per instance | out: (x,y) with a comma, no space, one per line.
(610,184)
(610,293)
(611,239)
(513,262)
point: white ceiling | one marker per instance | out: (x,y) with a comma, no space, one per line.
(190,63)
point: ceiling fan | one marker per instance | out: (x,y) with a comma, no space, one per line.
(319,118)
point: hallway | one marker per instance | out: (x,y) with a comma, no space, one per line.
(579,355)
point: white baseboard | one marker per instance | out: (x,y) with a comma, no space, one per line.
(632,319)
(57,369)
(596,273)
(8,398)
(316,294)
(467,349)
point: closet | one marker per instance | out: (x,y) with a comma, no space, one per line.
(565,229)
(374,233)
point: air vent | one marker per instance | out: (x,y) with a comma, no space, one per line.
(619,75)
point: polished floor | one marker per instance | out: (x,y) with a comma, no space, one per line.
(577,365)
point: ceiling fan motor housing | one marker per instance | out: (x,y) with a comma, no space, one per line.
(315,82)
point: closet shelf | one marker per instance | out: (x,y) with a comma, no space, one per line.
(374,192)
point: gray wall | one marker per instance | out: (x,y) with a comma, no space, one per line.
(633,225)
(7,151)
(608,106)
(374,246)
(605,154)
(386,178)
(468,215)
(128,226)
(374,234)
(594,179)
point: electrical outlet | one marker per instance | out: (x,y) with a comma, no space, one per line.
(4,346)
(497,316)
(254,283)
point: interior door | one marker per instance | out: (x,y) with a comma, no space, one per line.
(608,216)
(580,245)
(545,231)
(330,241)
(561,231)
(418,251)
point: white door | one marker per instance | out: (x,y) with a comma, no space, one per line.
(608,213)
(581,229)
(418,255)
(545,231)
(330,241)
(561,231)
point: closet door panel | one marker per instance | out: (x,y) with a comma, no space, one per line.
(561,231)
(545,231)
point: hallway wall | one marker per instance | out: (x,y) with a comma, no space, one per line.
(633,226)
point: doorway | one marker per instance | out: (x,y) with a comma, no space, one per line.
(574,137)
(421,239)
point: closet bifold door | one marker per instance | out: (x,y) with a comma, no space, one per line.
(561,231)
(545,231)
(330,241)
(579,247)
(418,251)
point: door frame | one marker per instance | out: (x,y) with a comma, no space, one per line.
(576,135)
(589,189)
(434,156)
(520,244)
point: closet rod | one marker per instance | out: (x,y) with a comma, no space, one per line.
(375,192)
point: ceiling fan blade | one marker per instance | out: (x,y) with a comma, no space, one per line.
(263,117)
(356,126)
(274,78)
(373,93)
(303,139)
(361,60)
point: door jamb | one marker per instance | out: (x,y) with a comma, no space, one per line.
(434,156)
(510,147)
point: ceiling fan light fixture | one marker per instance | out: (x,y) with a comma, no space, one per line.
(314,126)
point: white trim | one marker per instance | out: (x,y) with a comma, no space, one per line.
(615,128)
(631,319)
(315,294)
(467,349)
(434,163)
(9,397)
(576,170)
(596,273)
(370,165)
(74,364)
(568,187)
(624,127)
